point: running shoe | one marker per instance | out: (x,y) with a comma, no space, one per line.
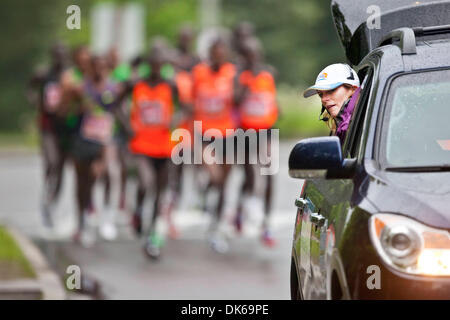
(268,240)
(88,235)
(88,238)
(218,242)
(153,245)
(108,229)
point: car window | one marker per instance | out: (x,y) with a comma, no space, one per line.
(415,126)
(355,130)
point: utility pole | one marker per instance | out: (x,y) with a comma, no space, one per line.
(210,17)
(120,27)
(209,13)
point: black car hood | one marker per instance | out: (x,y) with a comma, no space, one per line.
(423,196)
(350,19)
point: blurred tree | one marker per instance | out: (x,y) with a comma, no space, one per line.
(27,30)
(298,35)
(165,17)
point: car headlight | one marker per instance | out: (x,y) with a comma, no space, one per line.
(409,246)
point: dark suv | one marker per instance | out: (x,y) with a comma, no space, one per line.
(373,215)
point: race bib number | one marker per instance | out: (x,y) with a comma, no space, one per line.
(212,104)
(52,96)
(151,112)
(97,127)
(257,105)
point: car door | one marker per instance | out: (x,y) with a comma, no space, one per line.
(326,206)
(303,240)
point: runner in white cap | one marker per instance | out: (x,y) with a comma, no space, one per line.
(336,86)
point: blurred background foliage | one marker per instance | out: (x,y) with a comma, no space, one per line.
(298,36)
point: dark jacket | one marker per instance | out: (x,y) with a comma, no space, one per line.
(345,114)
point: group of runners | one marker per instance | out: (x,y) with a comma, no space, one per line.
(95,112)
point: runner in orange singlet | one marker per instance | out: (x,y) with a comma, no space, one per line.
(151,120)
(213,106)
(258,109)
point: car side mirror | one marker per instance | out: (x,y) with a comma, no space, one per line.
(321,157)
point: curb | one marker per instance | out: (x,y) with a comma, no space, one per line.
(48,281)
(18,151)
(21,289)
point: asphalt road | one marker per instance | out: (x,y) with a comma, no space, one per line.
(188,268)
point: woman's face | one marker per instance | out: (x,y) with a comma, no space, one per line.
(333,100)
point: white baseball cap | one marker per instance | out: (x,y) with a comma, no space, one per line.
(332,77)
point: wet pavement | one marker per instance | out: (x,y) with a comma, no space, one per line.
(188,268)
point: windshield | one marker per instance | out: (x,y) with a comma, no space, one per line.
(416,126)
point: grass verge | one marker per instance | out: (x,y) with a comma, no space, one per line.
(13,264)
(19,140)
